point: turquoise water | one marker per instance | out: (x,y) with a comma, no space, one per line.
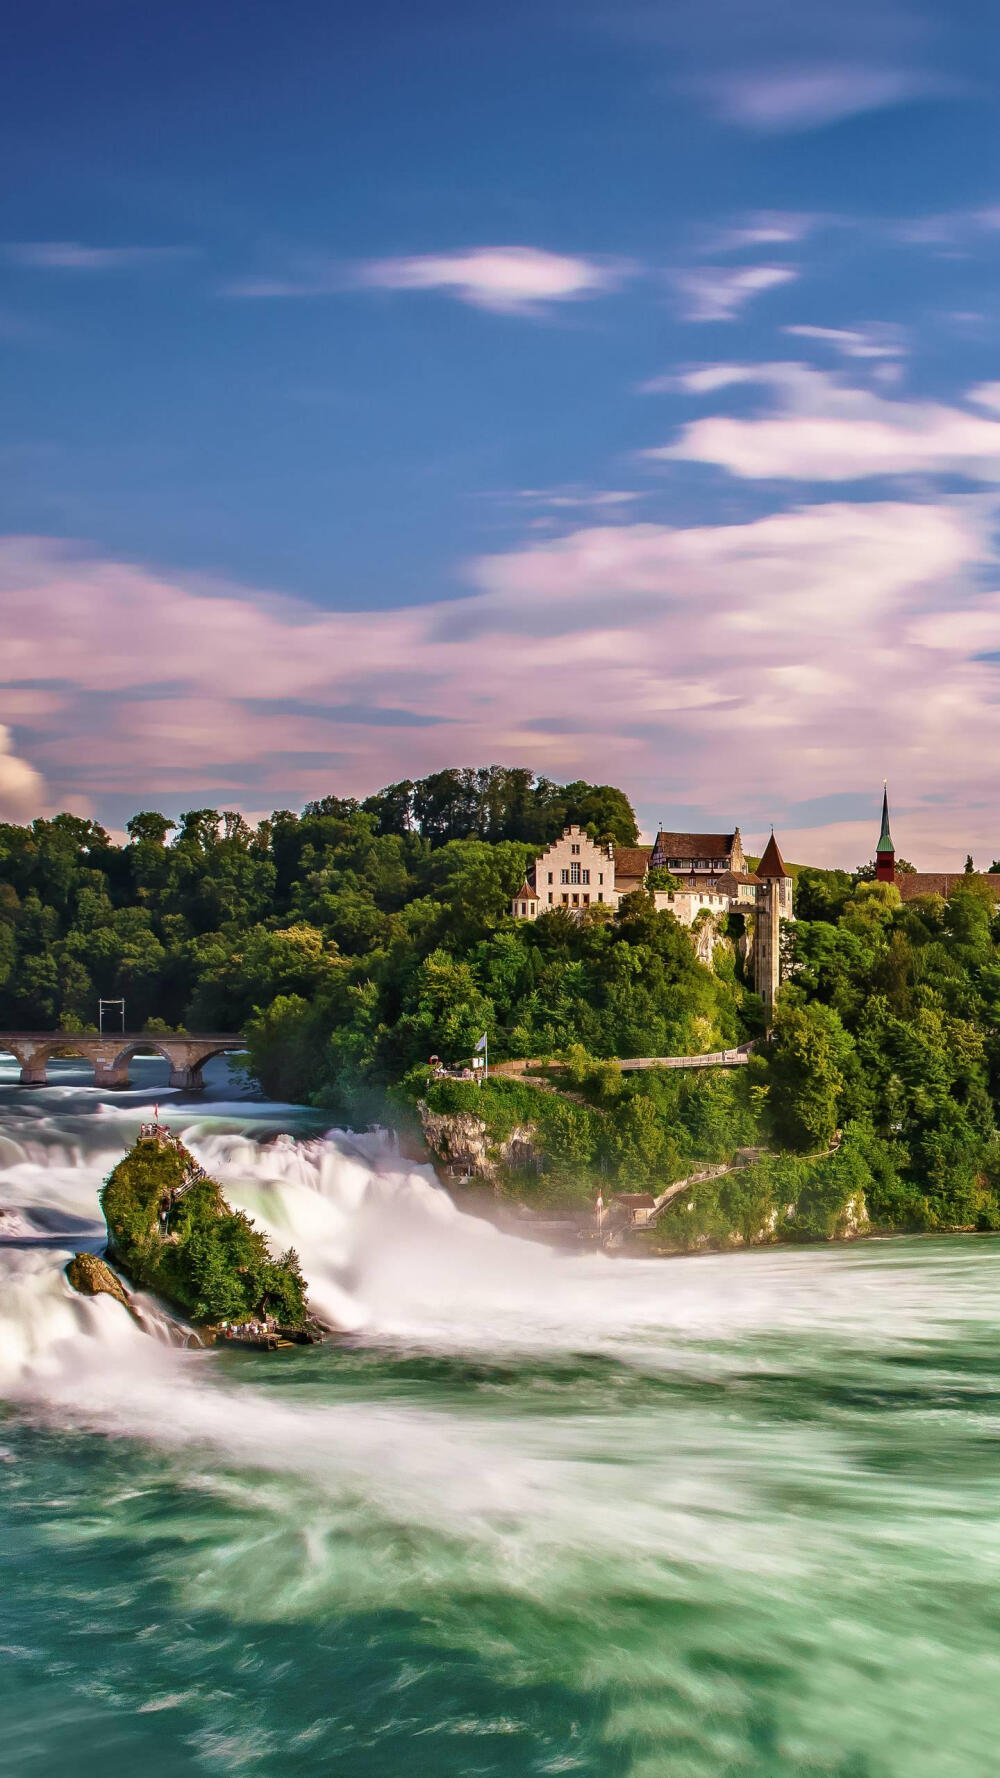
(728,1517)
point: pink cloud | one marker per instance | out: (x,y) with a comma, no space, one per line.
(22,791)
(797,655)
(820,429)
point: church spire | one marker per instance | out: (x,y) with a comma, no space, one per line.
(885,851)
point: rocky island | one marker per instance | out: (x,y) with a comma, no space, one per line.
(171,1231)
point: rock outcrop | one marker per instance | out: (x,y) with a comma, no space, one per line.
(92,1276)
(172,1233)
(461,1141)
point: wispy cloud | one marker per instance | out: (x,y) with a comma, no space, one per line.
(951,232)
(763,228)
(77,256)
(565,499)
(821,429)
(810,97)
(718,293)
(876,339)
(507,279)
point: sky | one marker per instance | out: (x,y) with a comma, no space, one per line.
(607,388)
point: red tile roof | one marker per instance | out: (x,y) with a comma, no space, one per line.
(696,845)
(632,861)
(926,882)
(772,864)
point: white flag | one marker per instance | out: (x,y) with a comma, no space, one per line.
(600,1201)
(481,1045)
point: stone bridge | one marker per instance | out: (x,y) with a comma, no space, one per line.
(111,1054)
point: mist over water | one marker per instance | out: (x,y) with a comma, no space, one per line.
(534,1513)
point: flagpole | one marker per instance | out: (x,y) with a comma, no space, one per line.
(486,1055)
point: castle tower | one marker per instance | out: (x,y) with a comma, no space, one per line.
(885,851)
(773,904)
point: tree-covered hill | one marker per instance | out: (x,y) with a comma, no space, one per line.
(357,939)
(199,923)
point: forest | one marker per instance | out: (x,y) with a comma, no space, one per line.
(353,940)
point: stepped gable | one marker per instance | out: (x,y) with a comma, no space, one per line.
(772,864)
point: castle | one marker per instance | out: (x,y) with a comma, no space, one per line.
(912,883)
(576,873)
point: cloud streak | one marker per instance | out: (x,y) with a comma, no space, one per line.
(812,97)
(77,256)
(507,280)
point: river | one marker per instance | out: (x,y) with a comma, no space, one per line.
(720,1517)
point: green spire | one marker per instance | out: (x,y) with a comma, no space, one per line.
(885,837)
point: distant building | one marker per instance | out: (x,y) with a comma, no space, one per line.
(575,874)
(912,883)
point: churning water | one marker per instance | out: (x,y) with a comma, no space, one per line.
(726,1517)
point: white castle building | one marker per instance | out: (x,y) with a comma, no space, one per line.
(575,873)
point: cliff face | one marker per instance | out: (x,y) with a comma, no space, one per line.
(462,1141)
(172,1232)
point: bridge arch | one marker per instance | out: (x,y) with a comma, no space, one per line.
(185,1053)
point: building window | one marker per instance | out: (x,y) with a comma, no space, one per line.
(550,879)
(575,851)
(574,873)
(586,901)
(564,877)
(600,876)
(550,898)
(600,894)
(576,901)
(524,907)
(565,901)
(585,876)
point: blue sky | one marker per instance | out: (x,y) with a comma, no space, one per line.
(608,389)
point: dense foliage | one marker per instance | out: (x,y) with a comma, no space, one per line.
(226,917)
(355,940)
(215,1264)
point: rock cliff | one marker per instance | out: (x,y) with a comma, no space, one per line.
(461,1141)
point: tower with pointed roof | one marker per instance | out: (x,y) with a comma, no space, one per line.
(773,904)
(885,851)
